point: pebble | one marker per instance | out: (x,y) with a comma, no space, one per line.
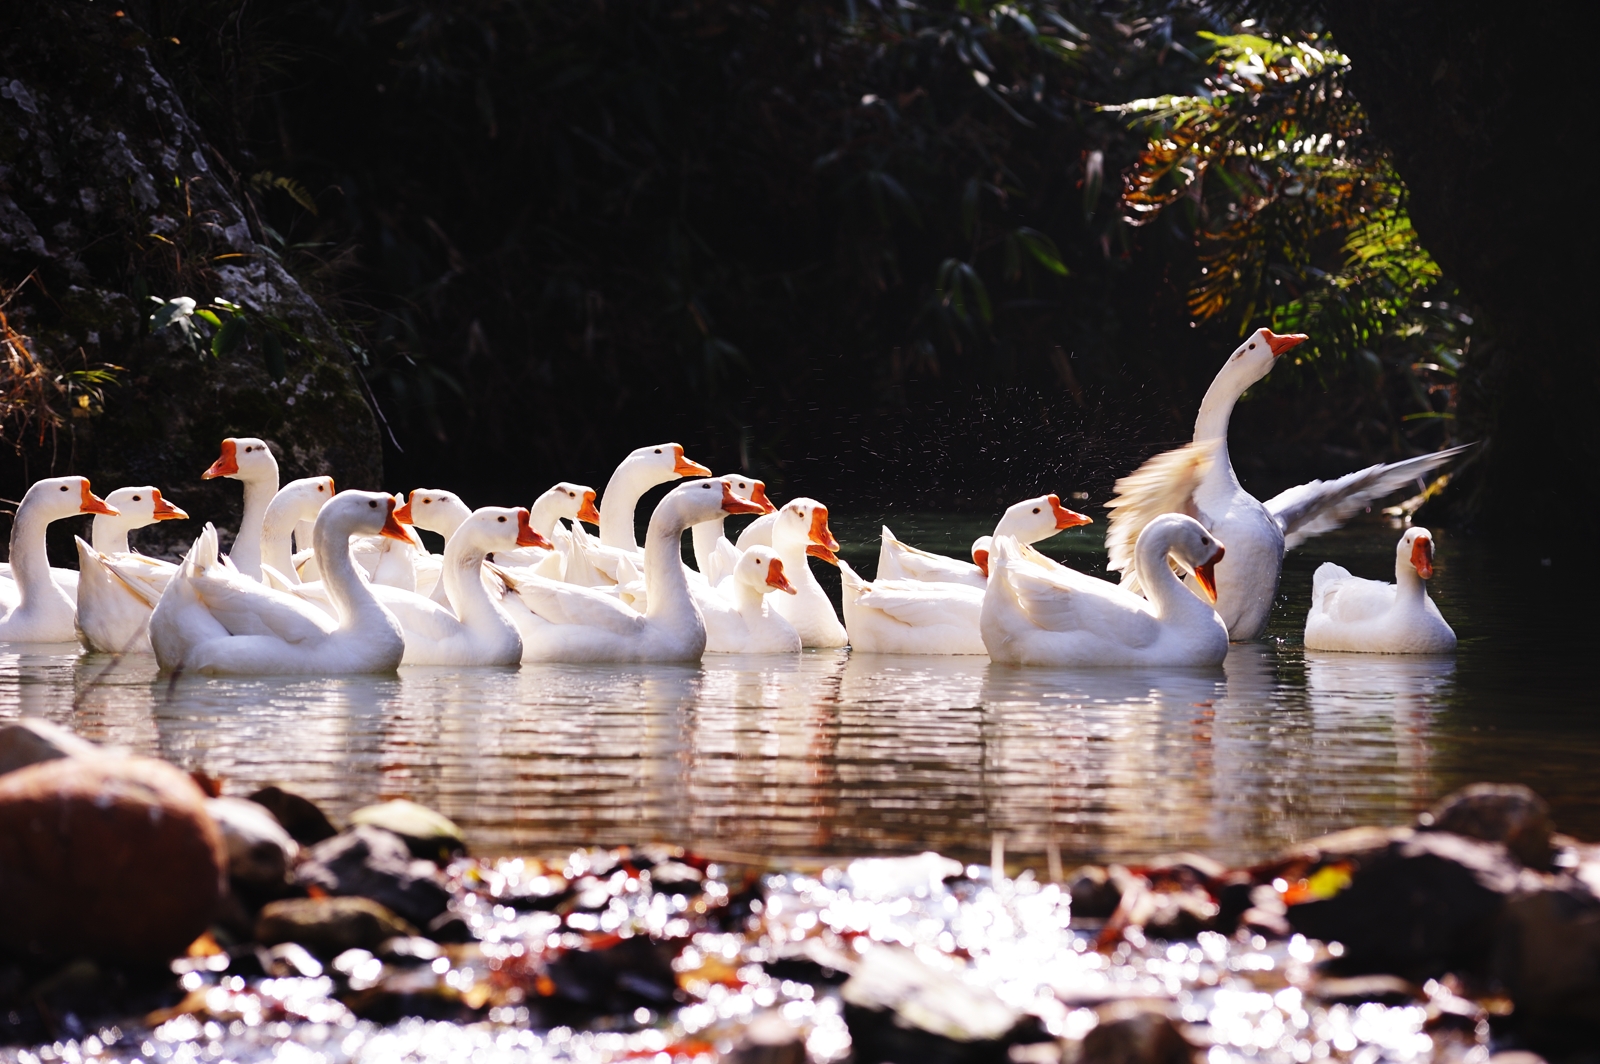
(30,740)
(329,926)
(370,862)
(431,836)
(260,851)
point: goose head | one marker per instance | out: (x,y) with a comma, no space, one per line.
(1255,358)
(707,500)
(661,463)
(434,510)
(751,490)
(1187,542)
(761,568)
(363,513)
(500,528)
(1034,519)
(805,521)
(300,500)
(1416,551)
(143,506)
(59,497)
(243,458)
(573,502)
(982,547)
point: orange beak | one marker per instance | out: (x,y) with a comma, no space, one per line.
(776,580)
(164,510)
(93,504)
(1280,344)
(589,512)
(732,504)
(980,558)
(227,465)
(526,536)
(1065,518)
(1207,575)
(822,545)
(402,514)
(684,467)
(1422,557)
(760,496)
(332,491)
(392,528)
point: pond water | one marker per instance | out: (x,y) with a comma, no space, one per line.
(832,754)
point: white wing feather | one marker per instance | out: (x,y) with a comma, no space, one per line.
(1165,484)
(1323,505)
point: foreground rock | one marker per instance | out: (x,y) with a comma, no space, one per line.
(372,863)
(114,859)
(31,740)
(329,926)
(260,851)
(430,835)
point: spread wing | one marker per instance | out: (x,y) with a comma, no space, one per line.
(922,604)
(145,577)
(1062,605)
(245,607)
(560,603)
(1323,505)
(1165,484)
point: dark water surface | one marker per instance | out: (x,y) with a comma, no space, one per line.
(832,754)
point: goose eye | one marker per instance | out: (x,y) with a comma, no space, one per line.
(426,501)
(1252,347)
(1036,509)
(658,450)
(502,520)
(372,504)
(63,487)
(1204,542)
(138,498)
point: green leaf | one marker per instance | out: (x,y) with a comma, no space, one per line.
(228,337)
(1043,249)
(208,316)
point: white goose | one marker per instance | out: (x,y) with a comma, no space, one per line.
(1370,616)
(752,576)
(564,622)
(911,616)
(213,619)
(1198,479)
(1032,615)
(1028,521)
(34,607)
(707,535)
(637,474)
(799,530)
(563,502)
(249,460)
(473,629)
(297,502)
(118,587)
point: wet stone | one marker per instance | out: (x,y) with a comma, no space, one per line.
(1135,1033)
(1507,813)
(430,835)
(328,927)
(1094,895)
(30,740)
(113,859)
(369,862)
(899,1008)
(301,818)
(260,851)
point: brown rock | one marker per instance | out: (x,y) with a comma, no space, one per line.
(113,859)
(300,817)
(1507,813)
(30,740)
(329,926)
(1132,1032)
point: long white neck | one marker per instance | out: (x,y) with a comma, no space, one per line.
(1172,600)
(352,599)
(1211,423)
(110,534)
(665,584)
(623,490)
(30,564)
(277,549)
(546,511)
(1022,529)
(449,517)
(706,535)
(462,577)
(1409,587)
(746,599)
(246,550)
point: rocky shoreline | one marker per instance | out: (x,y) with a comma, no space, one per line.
(147,916)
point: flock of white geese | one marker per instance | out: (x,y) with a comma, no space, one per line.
(324,583)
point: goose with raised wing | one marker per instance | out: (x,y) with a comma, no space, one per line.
(1372,617)
(1198,479)
(568,623)
(1035,615)
(249,461)
(118,586)
(35,607)
(1028,521)
(213,619)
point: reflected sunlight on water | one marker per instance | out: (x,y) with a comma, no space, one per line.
(833,754)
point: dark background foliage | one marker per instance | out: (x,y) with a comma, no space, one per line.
(869,251)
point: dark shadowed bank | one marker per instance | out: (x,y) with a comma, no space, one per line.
(869,253)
